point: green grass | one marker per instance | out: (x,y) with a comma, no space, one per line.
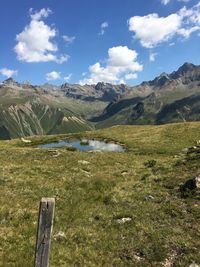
(90,198)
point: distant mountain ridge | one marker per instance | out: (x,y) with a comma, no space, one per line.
(27,109)
(152,102)
(186,73)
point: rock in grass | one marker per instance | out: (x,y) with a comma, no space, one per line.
(197,181)
(191,184)
(84,162)
(25,140)
(194,265)
(60,236)
(124,220)
(54,152)
(149,197)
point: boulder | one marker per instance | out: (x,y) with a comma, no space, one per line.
(192,184)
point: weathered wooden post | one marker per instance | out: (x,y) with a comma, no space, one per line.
(44,231)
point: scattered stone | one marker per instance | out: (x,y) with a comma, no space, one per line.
(139,256)
(197,179)
(60,236)
(194,265)
(56,155)
(84,162)
(169,262)
(149,197)
(54,152)
(124,220)
(25,140)
(191,184)
(193,149)
(87,173)
(95,151)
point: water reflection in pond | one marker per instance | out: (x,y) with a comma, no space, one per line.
(85,145)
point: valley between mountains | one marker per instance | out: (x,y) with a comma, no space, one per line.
(27,109)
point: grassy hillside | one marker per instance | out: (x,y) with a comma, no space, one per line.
(34,114)
(94,191)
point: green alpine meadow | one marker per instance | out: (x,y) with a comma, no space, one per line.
(112,208)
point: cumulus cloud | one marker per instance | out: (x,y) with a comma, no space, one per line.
(104,25)
(152,30)
(68,39)
(52,76)
(8,72)
(152,56)
(35,42)
(121,65)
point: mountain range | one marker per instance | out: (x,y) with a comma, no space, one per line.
(27,109)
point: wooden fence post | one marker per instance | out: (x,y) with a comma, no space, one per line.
(44,231)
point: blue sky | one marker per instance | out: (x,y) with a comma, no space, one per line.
(89,41)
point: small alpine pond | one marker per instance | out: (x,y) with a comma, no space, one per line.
(85,145)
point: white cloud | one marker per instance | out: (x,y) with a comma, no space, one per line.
(69,39)
(131,76)
(187,32)
(165,2)
(38,15)
(121,65)
(152,30)
(67,77)
(185,1)
(152,56)
(8,72)
(104,25)
(35,41)
(52,76)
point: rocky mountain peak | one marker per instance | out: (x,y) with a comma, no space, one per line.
(187,70)
(10,82)
(161,80)
(101,85)
(186,67)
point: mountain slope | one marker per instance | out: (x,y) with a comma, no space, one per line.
(25,112)
(168,98)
